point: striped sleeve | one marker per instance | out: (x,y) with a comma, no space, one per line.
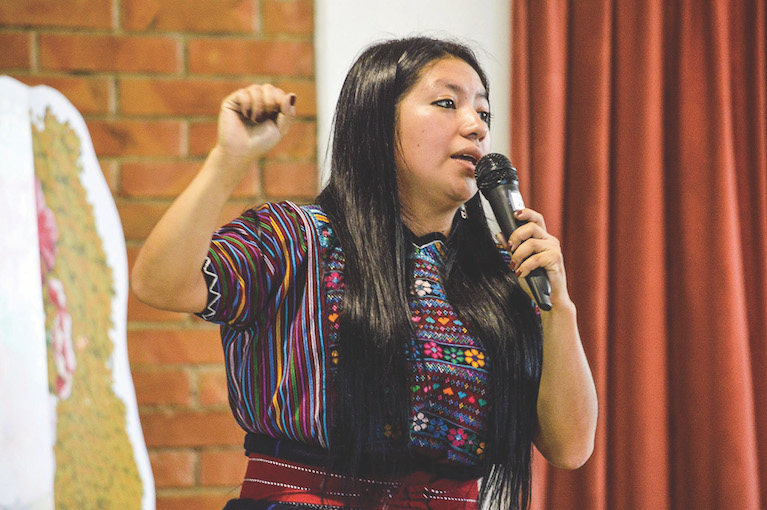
(248,262)
(265,290)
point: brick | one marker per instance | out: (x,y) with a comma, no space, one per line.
(222,467)
(168,179)
(16,51)
(90,95)
(67,52)
(165,387)
(299,143)
(175,346)
(55,13)
(173,469)
(137,138)
(290,179)
(243,56)
(156,179)
(139,312)
(288,17)
(231,16)
(142,96)
(191,428)
(138,218)
(212,389)
(202,137)
(109,171)
(196,500)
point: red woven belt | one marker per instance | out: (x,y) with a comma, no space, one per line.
(274,479)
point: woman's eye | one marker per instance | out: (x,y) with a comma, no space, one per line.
(445,103)
(485,116)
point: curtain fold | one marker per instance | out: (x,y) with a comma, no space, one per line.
(639,130)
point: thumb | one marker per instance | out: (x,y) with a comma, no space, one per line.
(287,113)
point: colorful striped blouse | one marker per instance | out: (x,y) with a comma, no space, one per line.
(275,279)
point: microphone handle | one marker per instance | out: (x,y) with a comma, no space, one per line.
(500,197)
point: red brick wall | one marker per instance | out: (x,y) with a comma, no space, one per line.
(148,77)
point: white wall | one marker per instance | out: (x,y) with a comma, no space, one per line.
(344,27)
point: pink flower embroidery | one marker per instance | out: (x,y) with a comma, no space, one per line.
(333,280)
(432,350)
(457,437)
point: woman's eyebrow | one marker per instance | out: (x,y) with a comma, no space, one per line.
(454,87)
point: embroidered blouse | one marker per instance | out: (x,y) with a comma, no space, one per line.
(275,286)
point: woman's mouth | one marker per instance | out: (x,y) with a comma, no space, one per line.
(466,157)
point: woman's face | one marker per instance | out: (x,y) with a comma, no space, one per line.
(441,129)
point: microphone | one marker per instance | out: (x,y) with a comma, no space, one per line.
(498,182)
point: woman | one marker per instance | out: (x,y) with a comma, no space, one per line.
(381,349)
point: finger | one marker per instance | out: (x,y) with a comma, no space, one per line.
(530,215)
(525,232)
(529,248)
(238,101)
(257,113)
(272,97)
(543,259)
(287,112)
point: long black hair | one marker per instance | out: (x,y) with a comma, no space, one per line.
(362,202)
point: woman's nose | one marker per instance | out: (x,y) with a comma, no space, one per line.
(473,125)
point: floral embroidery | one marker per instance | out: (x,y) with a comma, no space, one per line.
(453,355)
(333,280)
(439,427)
(432,350)
(422,287)
(420,422)
(475,358)
(390,432)
(447,366)
(457,437)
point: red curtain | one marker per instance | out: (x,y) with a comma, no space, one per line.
(639,129)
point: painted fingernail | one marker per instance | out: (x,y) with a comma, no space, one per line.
(292,99)
(517,213)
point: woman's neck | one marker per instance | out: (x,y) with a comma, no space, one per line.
(422,222)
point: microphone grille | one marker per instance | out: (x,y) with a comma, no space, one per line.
(492,170)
